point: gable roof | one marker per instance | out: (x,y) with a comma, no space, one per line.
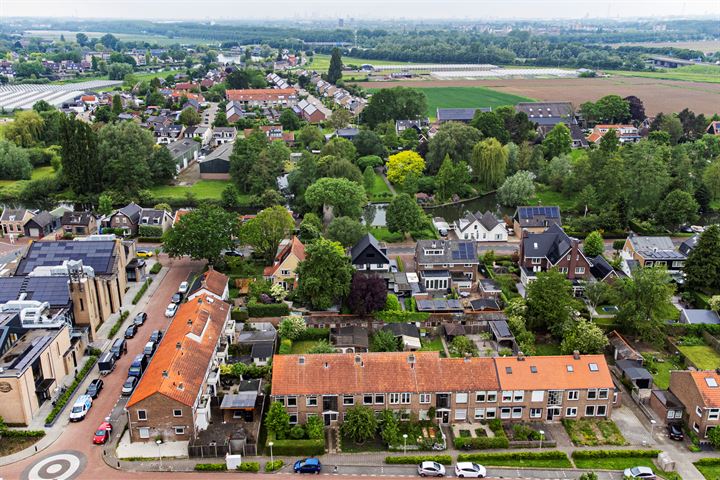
(151,214)
(546,113)
(177,370)
(212,281)
(13,215)
(703,380)
(294,247)
(561,372)
(76,218)
(600,268)
(43,218)
(689,245)
(537,216)
(655,248)
(487,220)
(453,251)
(132,211)
(367,241)
(351,336)
(402,329)
(552,244)
(458,114)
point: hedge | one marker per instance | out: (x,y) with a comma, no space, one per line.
(150,231)
(285,346)
(142,291)
(268,309)
(65,397)
(708,461)
(118,323)
(156,268)
(239,315)
(210,467)
(253,467)
(546,455)
(301,448)
(481,443)
(272,466)
(581,454)
(22,433)
(314,334)
(401,316)
(417,459)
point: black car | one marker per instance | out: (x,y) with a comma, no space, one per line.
(675,432)
(131,331)
(94,388)
(156,336)
(234,253)
(177,298)
(140,318)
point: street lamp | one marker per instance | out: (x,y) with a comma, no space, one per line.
(542,434)
(404,443)
(653,422)
(272,461)
(159,442)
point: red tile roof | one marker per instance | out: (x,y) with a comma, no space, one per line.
(711,395)
(561,372)
(294,247)
(260,94)
(214,282)
(179,373)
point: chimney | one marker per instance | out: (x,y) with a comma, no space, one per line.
(189,322)
(165,374)
(520,357)
(576,354)
(358,360)
(326,365)
(178,345)
(411,360)
(301,360)
(467,357)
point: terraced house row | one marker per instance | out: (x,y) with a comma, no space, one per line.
(517,388)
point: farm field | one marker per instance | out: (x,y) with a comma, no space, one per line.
(202,190)
(658,95)
(692,73)
(461,97)
(321,62)
(702,45)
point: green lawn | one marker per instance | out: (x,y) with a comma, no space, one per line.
(547,349)
(467,97)
(703,356)
(547,196)
(203,190)
(321,62)
(37,174)
(661,375)
(434,345)
(593,432)
(303,346)
(506,460)
(384,235)
(691,73)
(379,192)
(710,471)
(616,463)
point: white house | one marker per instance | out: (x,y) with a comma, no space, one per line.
(481,227)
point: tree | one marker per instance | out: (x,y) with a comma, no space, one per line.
(368,294)
(163,206)
(277,420)
(118,71)
(82,168)
(82,39)
(265,232)
(335,69)
(124,150)
(229,197)
(596,293)
(389,427)
(637,108)
(368,142)
(550,302)
(673,126)
(39,194)
(711,178)
(289,120)
(489,163)
(384,341)
(491,126)
(702,268)
(593,245)
(585,337)
(222,121)
(162,165)
(336,196)
(322,346)
(244,156)
(25,130)
(517,189)
(462,345)
(340,118)
(453,139)
(292,327)
(402,164)
(642,301)
(372,161)
(189,117)
(324,276)
(714,303)
(314,427)
(270,198)
(345,230)
(203,234)
(311,227)
(311,137)
(14,162)
(359,424)
(713,436)
(404,214)
(340,148)
(609,109)
(117,105)
(676,209)
(452,178)
(558,141)
(105,204)
(397,103)
(369,179)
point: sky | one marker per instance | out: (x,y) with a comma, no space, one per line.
(360,9)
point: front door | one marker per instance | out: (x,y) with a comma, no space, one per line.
(330,417)
(443,416)
(552,412)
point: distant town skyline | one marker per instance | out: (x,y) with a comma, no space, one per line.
(369,9)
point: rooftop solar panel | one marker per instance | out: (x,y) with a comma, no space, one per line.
(95,254)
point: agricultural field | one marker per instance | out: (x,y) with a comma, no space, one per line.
(658,95)
(127,37)
(321,62)
(705,46)
(691,73)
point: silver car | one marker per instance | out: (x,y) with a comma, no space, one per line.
(432,469)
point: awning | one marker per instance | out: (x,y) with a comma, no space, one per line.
(242,400)
(44,385)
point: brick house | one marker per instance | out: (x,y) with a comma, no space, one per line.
(172,399)
(459,389)
(539,252)
(445,264)
(13,221)
(127,219)
(212,283)
(699,393)
(654,251)
(282,271)
(79,223)
(264,97)
(535,219)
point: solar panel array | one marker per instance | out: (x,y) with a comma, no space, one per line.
(95,254)
(548,212)
(438,305)
(10,288)
(464,251)
(53,290)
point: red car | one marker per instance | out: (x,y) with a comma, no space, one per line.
(102,434)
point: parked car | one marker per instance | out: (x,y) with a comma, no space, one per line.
(102,434)
(149,349)
(184,286)
(119,347)
(470,470)
(80,408)
(233,253)
(106,364)
(142,253)
(675,432)
(140,318)
(156,336)
(433,469)
(131,331)
(645,473)
(128,386)
(307,465)
(137,367)
(177,298)
(94,388)
(171,310)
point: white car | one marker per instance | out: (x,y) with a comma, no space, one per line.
(432,469)
(171,310)
(639,472)
(183,287)
(80,408)
(469,470)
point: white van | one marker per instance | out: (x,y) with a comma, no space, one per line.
(81,407)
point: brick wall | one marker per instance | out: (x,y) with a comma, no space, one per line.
(160,420)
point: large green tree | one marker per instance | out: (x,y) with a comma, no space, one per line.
(359,424)
(189,117)
(346,231)
(643,300)
(583,336)
(25,130)
(451,179)
(245,154)
(124,150)
(335,69)
(397,103)
(593,244)
(82,168)
(454,139)
(14,162)
(324,276)
(491,126)
(702,268)
(517,189)
(550,302)
(677,208)
(557,141)
(489,163)
(337,197)
(202,234)
(277,420)
(265,232)
(404,214)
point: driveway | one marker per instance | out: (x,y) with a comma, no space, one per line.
(208,115)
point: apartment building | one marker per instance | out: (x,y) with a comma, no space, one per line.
(699,393)
(459,389)
(264,97)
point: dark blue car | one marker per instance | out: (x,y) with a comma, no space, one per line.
(307,465)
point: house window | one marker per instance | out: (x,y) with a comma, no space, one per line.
(579,270)
(405,398)
(367,399)
(292,401)
(537,396)
(238,414)
(695,427)
(518,396)
(144,432)
(571,412)
(461,414)
(492,396)
(590,411)
(461,397)
(573,394)
(714,414)
(293,418)
(564,270)
(142,414)
(480,396)
(177,413)
(535,412)
(479,413)
(284,272)
(517,412)
(698,412)
(280,400)
(348,400)
(601,410)
(536,261)
(179,430)
(394,398)
(603,394)
(379,399)
(505,412)
(424,398)
(592,394)
(507,396)
(313,401)
(490,413)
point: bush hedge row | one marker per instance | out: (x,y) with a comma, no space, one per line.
(65,397)
(142,291)
(253,467)
(22,433)
(210,467)
(268,309)
(314,334)
(155,268)
(417,459)
(239,315)
(150,231)
(272,466)
(614,453)
(302,448)
(118,323)
(480,457)
(402,316)
(708,461)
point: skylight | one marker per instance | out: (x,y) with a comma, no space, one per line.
(570,368)
(711,382)
(593,367)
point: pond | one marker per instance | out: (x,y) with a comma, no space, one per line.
(457,210)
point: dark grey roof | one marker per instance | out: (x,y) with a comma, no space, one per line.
(501,330)
(152,214)
(668,399)
(699,316)
(43,219)
(436,273)
(600,268)
(482,304)
(631,370)
(351,336)
(439,305)
(98,254)
(458,114)
(689,245)
(347,132)
(453,329)
(222,152)
(489,285)
(552,244)
(453,251)
(640,242)
(540,111)
(12,213)
(255,336)
(537,216)
(365,242)
(53,290)
(407,329)
(244,399)
(132,211)
(76,218)
(182,146)
(262,350)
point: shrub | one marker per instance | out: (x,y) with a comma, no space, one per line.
(315,428)
(299,448)
(297,432)
(401,316)
(416,459)
(285,346)
(392,304)
(22,433)
(65,397)
(481,457)
(481,443)
(239,315)
(708,461)
(256,309)
(210,467)
(150,231)
(142,291)
(272,466)
(156,268)
(582,454)
(314,334)
(253,467)
(118,323)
